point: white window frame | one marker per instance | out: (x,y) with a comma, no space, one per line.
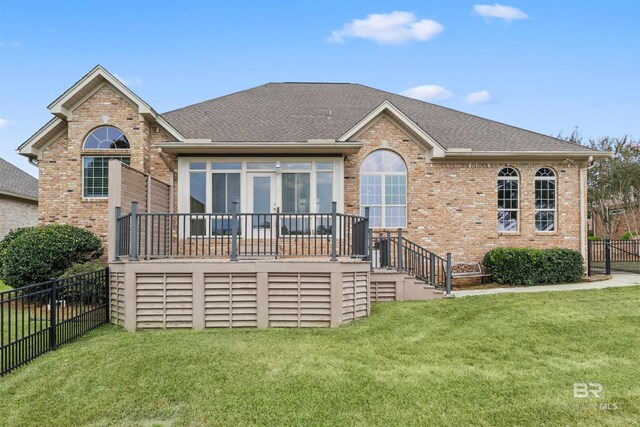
(383,204)
(516,210)
(183,178)
(555,199)
(89,155)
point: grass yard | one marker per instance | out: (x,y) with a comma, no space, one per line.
(626,266)
(491,360)
(4,287)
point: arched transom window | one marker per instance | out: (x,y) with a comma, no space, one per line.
(95,169)
(545,200)
(383,189)
(508,181)
(106,138)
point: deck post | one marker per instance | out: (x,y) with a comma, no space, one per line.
(448,288)
(432,269)
(234,232)
(134,232)
(118,227)
(399,249)
(367,236)
(607,257)
(334,231)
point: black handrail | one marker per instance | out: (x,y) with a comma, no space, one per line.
(395,252)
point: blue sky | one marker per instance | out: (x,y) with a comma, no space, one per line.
(543,65)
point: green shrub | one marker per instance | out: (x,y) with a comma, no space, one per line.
(627,235)
(4,243)
(595,238)
(526,266)
(43,252)
(83,268)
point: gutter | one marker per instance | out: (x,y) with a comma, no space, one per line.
(18,196)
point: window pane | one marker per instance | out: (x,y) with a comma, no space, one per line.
(545,220)
(296,192)
(375,215)
(295,225)
(383,161)
(197,166)
(324,190)
(371,190)
(233,191)
(197,192)
(106,138)
(226,166)
(395,216)
(219,187)
(395,192)
(261,165)
(294,166)
(96,175)
(507,221)
(324,166)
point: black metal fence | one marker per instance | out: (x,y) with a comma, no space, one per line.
(189,235)
(394,252)
(606,256)
(38,318)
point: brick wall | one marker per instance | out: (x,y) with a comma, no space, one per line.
(452,207)
(61,199)
(16,213)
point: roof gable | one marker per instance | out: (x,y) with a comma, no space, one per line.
(63,106)
(16,182)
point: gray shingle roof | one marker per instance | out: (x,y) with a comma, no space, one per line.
(17,182)
(301,111)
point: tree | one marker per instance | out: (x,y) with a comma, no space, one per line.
(613,183)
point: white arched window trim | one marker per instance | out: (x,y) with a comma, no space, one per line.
(383,189)
(545,200)
(508,200)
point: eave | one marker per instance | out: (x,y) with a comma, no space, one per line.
(252,147)
(466,154)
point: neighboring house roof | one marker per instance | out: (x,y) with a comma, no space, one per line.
(303,111)
(17,183)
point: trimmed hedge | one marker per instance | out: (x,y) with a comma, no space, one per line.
(526,266)
(40,253)
(10,237)
(627,235)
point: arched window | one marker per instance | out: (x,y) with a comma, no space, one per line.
(383,189)
(106,138)
(508,200)
(95,169)
(545,200)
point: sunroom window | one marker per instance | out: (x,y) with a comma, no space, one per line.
(383,189)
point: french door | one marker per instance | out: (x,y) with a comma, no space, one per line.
(261,201)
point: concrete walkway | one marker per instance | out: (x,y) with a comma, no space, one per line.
(617,281)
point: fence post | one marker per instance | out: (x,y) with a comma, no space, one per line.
(118,228)
(134,232)
(448,289)
(399,249)
(589,257)
(607,257)
(334,231)
(107,296)
(234,232)
(432,269)
(53,311)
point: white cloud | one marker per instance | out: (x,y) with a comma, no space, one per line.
(10,44)
(508,13)
(480,97)
(5,124)
(388,28)
(427,92)
(129,82)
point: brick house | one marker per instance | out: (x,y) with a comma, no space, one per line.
(18,198)
(451,182)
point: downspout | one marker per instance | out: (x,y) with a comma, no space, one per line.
(583,207)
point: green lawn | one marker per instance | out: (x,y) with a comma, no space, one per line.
(628,266)
(492,360)
(4,287)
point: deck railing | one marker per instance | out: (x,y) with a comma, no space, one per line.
(232,235)
(395,252)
